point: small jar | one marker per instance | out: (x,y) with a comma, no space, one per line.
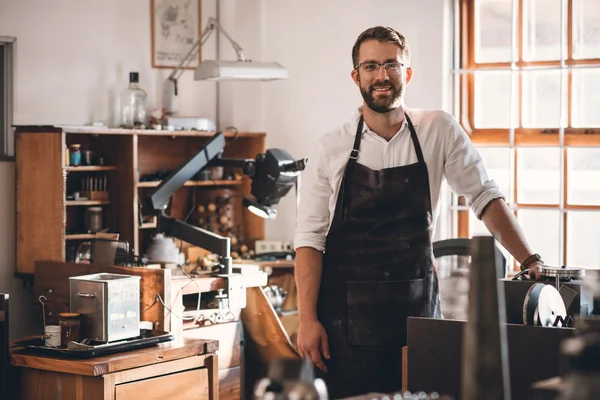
(75,154)
(69,324)
(52,335)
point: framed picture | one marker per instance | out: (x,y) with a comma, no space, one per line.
(175,26)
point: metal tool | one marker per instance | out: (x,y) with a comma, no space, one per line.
(543,306)
(43,309)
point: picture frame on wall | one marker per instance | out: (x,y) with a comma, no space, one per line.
(175,26)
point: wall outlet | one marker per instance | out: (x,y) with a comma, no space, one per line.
(268,246)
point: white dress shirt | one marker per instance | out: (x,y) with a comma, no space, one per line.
(447,150)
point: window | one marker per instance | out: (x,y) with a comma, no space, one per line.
(6,98)
(526,88)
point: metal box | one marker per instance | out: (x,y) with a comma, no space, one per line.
(109,305)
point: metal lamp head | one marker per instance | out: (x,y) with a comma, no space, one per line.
(217,70)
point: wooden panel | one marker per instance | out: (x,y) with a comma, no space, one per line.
(229,383)
(229,336)
(50,385)
(122,188)
(40,202)
(117,362)
(189,385)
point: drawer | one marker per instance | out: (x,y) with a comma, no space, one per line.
(189,385)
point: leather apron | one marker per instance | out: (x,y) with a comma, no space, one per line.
(377,271)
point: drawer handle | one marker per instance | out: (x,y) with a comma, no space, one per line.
(88,295)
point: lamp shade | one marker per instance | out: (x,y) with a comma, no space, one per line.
(216,70)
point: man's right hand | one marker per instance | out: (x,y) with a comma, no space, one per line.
(312,342)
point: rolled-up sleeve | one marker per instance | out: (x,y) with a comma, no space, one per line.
(312,221)
(464,170)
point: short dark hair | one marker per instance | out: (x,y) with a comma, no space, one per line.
(381,34)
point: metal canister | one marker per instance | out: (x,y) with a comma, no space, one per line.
(93,219)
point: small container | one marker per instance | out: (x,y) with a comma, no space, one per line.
(93,219)
(75,154)
(52,335)
(69,324)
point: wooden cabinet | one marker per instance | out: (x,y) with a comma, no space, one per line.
(50,222)
(186,370)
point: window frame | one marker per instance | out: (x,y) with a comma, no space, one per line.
(7,47)
(515,138)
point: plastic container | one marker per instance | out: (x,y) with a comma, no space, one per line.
(52,335)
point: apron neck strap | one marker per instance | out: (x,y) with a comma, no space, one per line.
(415,139)
(358,136)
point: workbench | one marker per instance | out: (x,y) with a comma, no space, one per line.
(185,369)
(169,287)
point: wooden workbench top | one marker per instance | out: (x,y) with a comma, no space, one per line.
(116,362)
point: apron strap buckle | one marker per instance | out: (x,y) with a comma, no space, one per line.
(354,154)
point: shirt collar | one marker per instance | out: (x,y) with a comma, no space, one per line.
(358,112)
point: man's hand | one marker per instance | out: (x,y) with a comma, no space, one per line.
(312,341)
(535,270)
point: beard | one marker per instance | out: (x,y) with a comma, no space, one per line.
(383,103)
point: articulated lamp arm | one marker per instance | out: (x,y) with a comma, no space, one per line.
(212,24)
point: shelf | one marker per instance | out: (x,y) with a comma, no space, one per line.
(80,236)
(195,183)
(87,168)
(86,202)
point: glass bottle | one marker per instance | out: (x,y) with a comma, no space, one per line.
(133,104)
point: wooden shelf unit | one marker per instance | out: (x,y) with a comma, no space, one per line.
(44,216)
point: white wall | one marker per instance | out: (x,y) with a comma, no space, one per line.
(314,39)
(73,58)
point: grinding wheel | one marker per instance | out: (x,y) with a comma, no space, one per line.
(542,305)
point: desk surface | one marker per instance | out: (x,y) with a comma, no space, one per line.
(116,362)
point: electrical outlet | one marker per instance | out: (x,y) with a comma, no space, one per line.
(268,246)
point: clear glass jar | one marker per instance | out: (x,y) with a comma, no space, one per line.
(69,327)
(133,104)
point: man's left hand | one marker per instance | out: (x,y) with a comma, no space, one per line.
(535,270)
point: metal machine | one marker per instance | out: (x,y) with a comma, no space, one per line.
(554,300)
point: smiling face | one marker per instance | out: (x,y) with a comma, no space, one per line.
(381,75)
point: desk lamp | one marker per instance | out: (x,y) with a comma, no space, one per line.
(273,174)
(219,70)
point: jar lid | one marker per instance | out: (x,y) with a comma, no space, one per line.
(68,315)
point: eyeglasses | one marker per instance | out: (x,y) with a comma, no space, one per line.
(374,67)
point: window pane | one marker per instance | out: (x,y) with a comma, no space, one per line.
(541,30)
(538,175)
(586,101)
(493,30)
(496,161)
(586,29)
(492,100)
(583,186)
(541,229)
(583,236)
(541,99)
(476,226)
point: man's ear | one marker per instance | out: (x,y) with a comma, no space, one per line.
(409,74)
(355,77)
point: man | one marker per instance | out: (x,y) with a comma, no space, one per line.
(369,203)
